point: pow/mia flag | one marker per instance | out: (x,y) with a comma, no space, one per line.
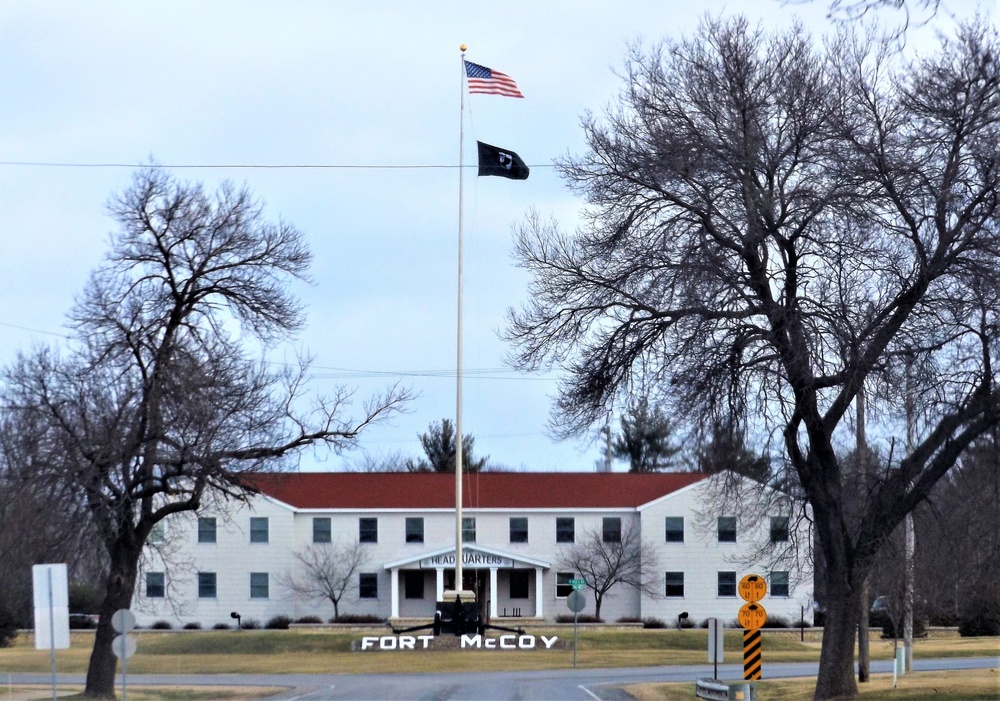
(498,161)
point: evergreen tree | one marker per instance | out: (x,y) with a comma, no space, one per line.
(440,450)
(725,449)
(645,438)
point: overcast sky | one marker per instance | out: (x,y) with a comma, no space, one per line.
(335,93)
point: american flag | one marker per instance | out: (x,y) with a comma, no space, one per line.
(489,82)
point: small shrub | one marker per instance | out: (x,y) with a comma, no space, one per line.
(8,628)
(83,597)
(220,626)
(775,622)
(309,619)
(250,624)
(161,625)
(581,618)
(653,623)
(980,617)
(947,620)
(688,623)
(358,618)
(889,629)
(278,623)
(193,625)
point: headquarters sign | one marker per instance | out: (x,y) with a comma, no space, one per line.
(470,558)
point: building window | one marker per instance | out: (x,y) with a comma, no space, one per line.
(368,585)
(675,529)
(206,529)
(468,529)
(415,530)
(322,530)
(563,586)
(518,529)
(779,529)
(258,529)
(367,530)
(259,585)
(206,585)
(675,584)
(612,529)
(779,584)
(156,585)
(727,584)
(727,529)
(519,580)
(566,530)
(413,584)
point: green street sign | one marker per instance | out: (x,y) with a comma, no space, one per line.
(577,584)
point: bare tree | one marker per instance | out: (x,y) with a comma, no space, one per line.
(604,562)
(327,571)
(901,14)
(163,397)
(958,539)
(39,522)
(770,228)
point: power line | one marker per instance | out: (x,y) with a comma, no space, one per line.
(339,373)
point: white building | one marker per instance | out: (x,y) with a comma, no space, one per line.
(518,528)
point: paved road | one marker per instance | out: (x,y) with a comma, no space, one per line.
(547,685)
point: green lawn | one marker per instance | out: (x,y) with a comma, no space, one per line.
(266,651)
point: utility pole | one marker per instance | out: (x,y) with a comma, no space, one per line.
(861,449)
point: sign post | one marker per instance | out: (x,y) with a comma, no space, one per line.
(123,645)
(716,638)
(752,588)
(575,601)
(51,595)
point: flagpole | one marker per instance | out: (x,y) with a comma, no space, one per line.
(458,374)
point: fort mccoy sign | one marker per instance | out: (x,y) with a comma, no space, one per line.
(390,643)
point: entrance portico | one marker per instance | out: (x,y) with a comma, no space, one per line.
(475,559)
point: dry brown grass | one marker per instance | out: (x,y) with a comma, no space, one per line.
(964,685)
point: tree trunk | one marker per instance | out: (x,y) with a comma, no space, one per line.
(864,649)
(836,662)
(861,450)
(120,588)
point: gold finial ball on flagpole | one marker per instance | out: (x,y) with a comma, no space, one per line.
(463,47)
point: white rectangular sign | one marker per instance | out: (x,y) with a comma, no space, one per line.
(716,637)
(51,593)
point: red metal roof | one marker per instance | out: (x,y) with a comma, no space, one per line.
(488,490)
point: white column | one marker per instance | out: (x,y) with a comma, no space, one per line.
(493,592)
(539,593)
(439,593)
(394,591)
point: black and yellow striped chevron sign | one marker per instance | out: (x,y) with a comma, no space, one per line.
(752,661)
